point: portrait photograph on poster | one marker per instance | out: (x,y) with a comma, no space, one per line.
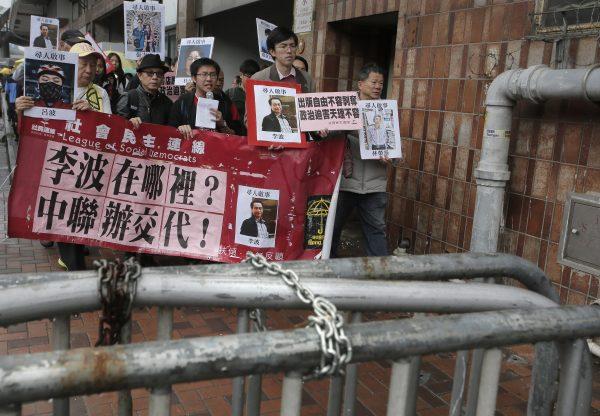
(263,29)
(144,29)
(191,49)
(380,134)
(273,114)
(256,217)
(50,80)
(44,32)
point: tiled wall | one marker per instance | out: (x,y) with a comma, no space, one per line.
(447,52)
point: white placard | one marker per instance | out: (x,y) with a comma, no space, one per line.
(256,216)
(144,29)
(263,28)
(276,114)
(44,32)
(303,15)
(50,78)
(380,135)
(203,116)
(191,49)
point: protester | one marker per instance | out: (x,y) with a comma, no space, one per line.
(364,182)
(115,81)
(236,82)
(183,113)
(238,94)
(11,88)
(300,63)
(134,82)
(231,112)
(88,97)
(146,104)
(282,44)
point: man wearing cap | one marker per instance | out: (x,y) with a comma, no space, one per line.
(146,104)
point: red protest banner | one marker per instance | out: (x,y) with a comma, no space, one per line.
(95,181)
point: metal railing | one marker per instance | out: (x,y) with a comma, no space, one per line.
(25,297)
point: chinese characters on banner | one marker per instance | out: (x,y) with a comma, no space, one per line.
(333,111)
(169,88)
(380,134)
(96,182)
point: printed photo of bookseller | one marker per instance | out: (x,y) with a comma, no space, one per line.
(277,120)
(256,217)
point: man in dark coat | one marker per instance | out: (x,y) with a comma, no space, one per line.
(276,121)
(255,226)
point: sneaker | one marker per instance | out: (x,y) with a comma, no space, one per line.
(62,264)
(46,244)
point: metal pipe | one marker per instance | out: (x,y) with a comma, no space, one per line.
(160,397)
(336,394)
(61,340)
(328,237)
(488,388)
(474,382)
(10,410)
(237,396)
(404,382)
(291,394)
(351,378)
(569,377)
(86,370)
(458,383)
(254,395)
(125,404)
(431,267)
(31,302)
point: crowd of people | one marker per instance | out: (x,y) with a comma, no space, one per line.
(140,100)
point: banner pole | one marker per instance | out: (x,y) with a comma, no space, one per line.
(326,250)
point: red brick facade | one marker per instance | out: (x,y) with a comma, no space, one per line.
(447,52)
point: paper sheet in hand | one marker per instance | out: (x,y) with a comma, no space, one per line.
(203,116)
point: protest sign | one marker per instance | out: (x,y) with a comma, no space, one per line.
(169,88)
(50,80)
(303,15)
(332,111)
(144,29)
(272,114)
(380,134)
(94,181)
(263,28)
(191,49)
(44,32)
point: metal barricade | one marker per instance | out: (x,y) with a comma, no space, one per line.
(25,297)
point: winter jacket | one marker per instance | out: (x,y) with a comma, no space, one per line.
(367,176)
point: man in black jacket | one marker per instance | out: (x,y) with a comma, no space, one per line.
(43,40)
(146,104)
(276,121)
(183,113)
(255,226)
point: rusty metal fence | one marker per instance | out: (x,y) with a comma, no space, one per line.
(483,316)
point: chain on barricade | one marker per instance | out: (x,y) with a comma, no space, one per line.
(117,285)
(327,321)
(257,317)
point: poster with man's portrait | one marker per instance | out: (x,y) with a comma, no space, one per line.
(263,29)
(380,134)
(256,217)
(191,49)
(50,80)
(144,29)
(43,32)
(273,114)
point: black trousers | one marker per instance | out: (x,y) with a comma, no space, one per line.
(72,255)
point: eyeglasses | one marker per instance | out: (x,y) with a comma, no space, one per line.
(153,73)
(205,75)
(285,46)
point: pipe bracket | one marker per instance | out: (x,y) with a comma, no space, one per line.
(584,81)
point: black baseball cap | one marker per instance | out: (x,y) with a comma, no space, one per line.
(73,36)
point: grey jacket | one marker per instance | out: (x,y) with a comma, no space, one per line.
(270,74)
(367,176)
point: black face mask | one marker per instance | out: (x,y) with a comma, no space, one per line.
(50,92)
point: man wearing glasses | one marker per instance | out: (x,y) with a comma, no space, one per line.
(146,104)
(204,72)
(282,44)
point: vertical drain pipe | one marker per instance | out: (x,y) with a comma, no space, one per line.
(536,84)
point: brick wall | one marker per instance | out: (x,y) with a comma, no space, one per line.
(447,53)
